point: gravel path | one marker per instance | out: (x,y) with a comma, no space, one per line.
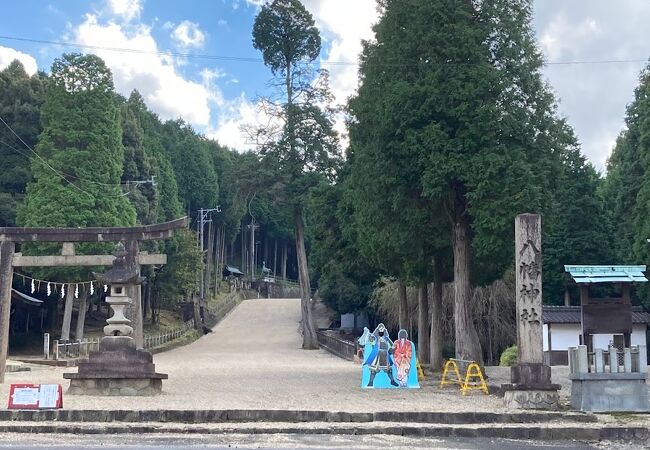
(253,360)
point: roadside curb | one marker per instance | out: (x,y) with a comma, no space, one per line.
(523,432)
(289,416)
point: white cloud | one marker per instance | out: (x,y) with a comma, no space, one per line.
(237,121)
(344,33)
(126,9)
(154,75)
(7,55)
(563,38)
(593,97)
(188,34)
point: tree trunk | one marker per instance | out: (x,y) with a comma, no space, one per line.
(81,317)
(243,248)
(265,260)
(7,249)
(252,249)
(208,262)
(468,345)
(217,258)
(436,319)
(284,261)
(197,312)
(146,301)
(275,257)
(403,306)
(423,324)
(309,339)
(67,315)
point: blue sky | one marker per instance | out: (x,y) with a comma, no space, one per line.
(217,97)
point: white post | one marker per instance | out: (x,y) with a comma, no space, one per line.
(627,360)
(643,359)
(46,345)
(599,360)
(613,359)
(583,359)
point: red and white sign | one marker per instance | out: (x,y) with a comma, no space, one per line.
(35,396)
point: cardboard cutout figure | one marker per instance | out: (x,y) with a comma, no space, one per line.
(384,360)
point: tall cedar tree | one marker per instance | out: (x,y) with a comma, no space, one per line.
(21,97)
(77,175)
(166,202)
(284,32)
(193,166)
(576,227)
(627,186)
(455,88)
(345,278)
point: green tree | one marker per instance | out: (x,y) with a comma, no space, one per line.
(285,33)
(21,98)
(456,88)
(80,161)
(165,200)
(191,159)
(77,174)
(627,187)
(179,278)
(576,228)
(345,279)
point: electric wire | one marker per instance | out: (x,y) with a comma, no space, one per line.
(69,175)
(259,60)
(60,175)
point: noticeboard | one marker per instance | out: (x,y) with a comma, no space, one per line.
(35,396)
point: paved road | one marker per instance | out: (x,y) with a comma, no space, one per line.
(253,360)
(20,442)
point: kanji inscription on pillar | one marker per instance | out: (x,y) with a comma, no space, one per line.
(528,265)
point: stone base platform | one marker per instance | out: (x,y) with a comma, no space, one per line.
(532,399)
(118,368)
(608,392)
(116,386)
(531,388)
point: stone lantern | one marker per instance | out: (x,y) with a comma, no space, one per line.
(118,368)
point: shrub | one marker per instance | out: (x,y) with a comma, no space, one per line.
(509,357)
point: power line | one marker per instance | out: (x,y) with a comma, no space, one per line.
(45,162)
(65,175)
(259,60)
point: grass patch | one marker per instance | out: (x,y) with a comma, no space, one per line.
(626,416)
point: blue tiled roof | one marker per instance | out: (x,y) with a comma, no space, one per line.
(607,274)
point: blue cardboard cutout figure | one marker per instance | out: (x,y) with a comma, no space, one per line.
(388,364)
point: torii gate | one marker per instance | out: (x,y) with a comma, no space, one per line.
(68,236)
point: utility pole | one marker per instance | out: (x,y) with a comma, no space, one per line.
(202,219)
(252,227)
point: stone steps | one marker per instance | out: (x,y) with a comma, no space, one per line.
(534,431)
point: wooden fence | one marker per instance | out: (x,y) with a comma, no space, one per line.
(82,349)
(163,338)
(337,346)
(68,349)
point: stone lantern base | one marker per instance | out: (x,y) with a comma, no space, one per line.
(118,368)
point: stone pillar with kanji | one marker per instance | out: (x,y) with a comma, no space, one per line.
(530,386)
